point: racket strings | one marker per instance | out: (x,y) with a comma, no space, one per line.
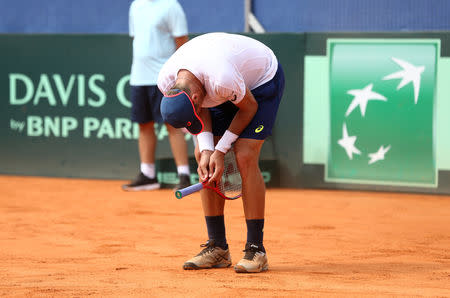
(231,183)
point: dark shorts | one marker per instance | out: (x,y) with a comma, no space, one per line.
(260,127)
(145,104)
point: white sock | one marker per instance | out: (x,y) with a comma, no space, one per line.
(148,169)
(183,170)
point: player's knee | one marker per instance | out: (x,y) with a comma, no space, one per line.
(246,159)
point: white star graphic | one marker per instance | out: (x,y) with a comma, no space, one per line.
(379,155)
(348,143)
(410,73)
(362,97)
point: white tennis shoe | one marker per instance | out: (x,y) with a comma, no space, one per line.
(210,257)
(254,261)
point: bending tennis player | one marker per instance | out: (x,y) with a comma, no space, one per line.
(226,89)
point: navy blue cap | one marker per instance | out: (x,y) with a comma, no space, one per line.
(178,110)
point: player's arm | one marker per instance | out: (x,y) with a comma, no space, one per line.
(247,110)
(205,144)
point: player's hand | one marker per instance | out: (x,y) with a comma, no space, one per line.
(203,165)
(216,167)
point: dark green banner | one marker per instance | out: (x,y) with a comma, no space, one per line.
(65,108)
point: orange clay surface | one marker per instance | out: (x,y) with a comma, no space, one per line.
(88,238)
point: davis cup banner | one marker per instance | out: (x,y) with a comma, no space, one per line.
(382,101)
(65,108)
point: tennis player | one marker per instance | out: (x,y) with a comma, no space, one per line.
(226,89)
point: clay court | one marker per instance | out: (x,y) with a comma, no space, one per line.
(88,238)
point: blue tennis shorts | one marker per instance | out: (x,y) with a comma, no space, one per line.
(145,104)
(268,97)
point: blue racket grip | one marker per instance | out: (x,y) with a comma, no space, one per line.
(188,190)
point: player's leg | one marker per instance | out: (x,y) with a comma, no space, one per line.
(253,187)
(247,149)
(253,198)
(142,114)
(216,253)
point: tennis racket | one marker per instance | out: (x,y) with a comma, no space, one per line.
(230,186)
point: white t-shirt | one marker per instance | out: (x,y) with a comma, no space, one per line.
(225,64)
(154,24)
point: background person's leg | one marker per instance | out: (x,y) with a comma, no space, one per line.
(142,114)
(180,153)
(147,143)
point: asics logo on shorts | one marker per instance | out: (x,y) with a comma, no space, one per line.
(259,128)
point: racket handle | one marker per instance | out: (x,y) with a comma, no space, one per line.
(188,190)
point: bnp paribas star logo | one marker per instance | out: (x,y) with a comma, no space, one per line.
(382,98)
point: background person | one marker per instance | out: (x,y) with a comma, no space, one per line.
(228,86)
(158,28)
